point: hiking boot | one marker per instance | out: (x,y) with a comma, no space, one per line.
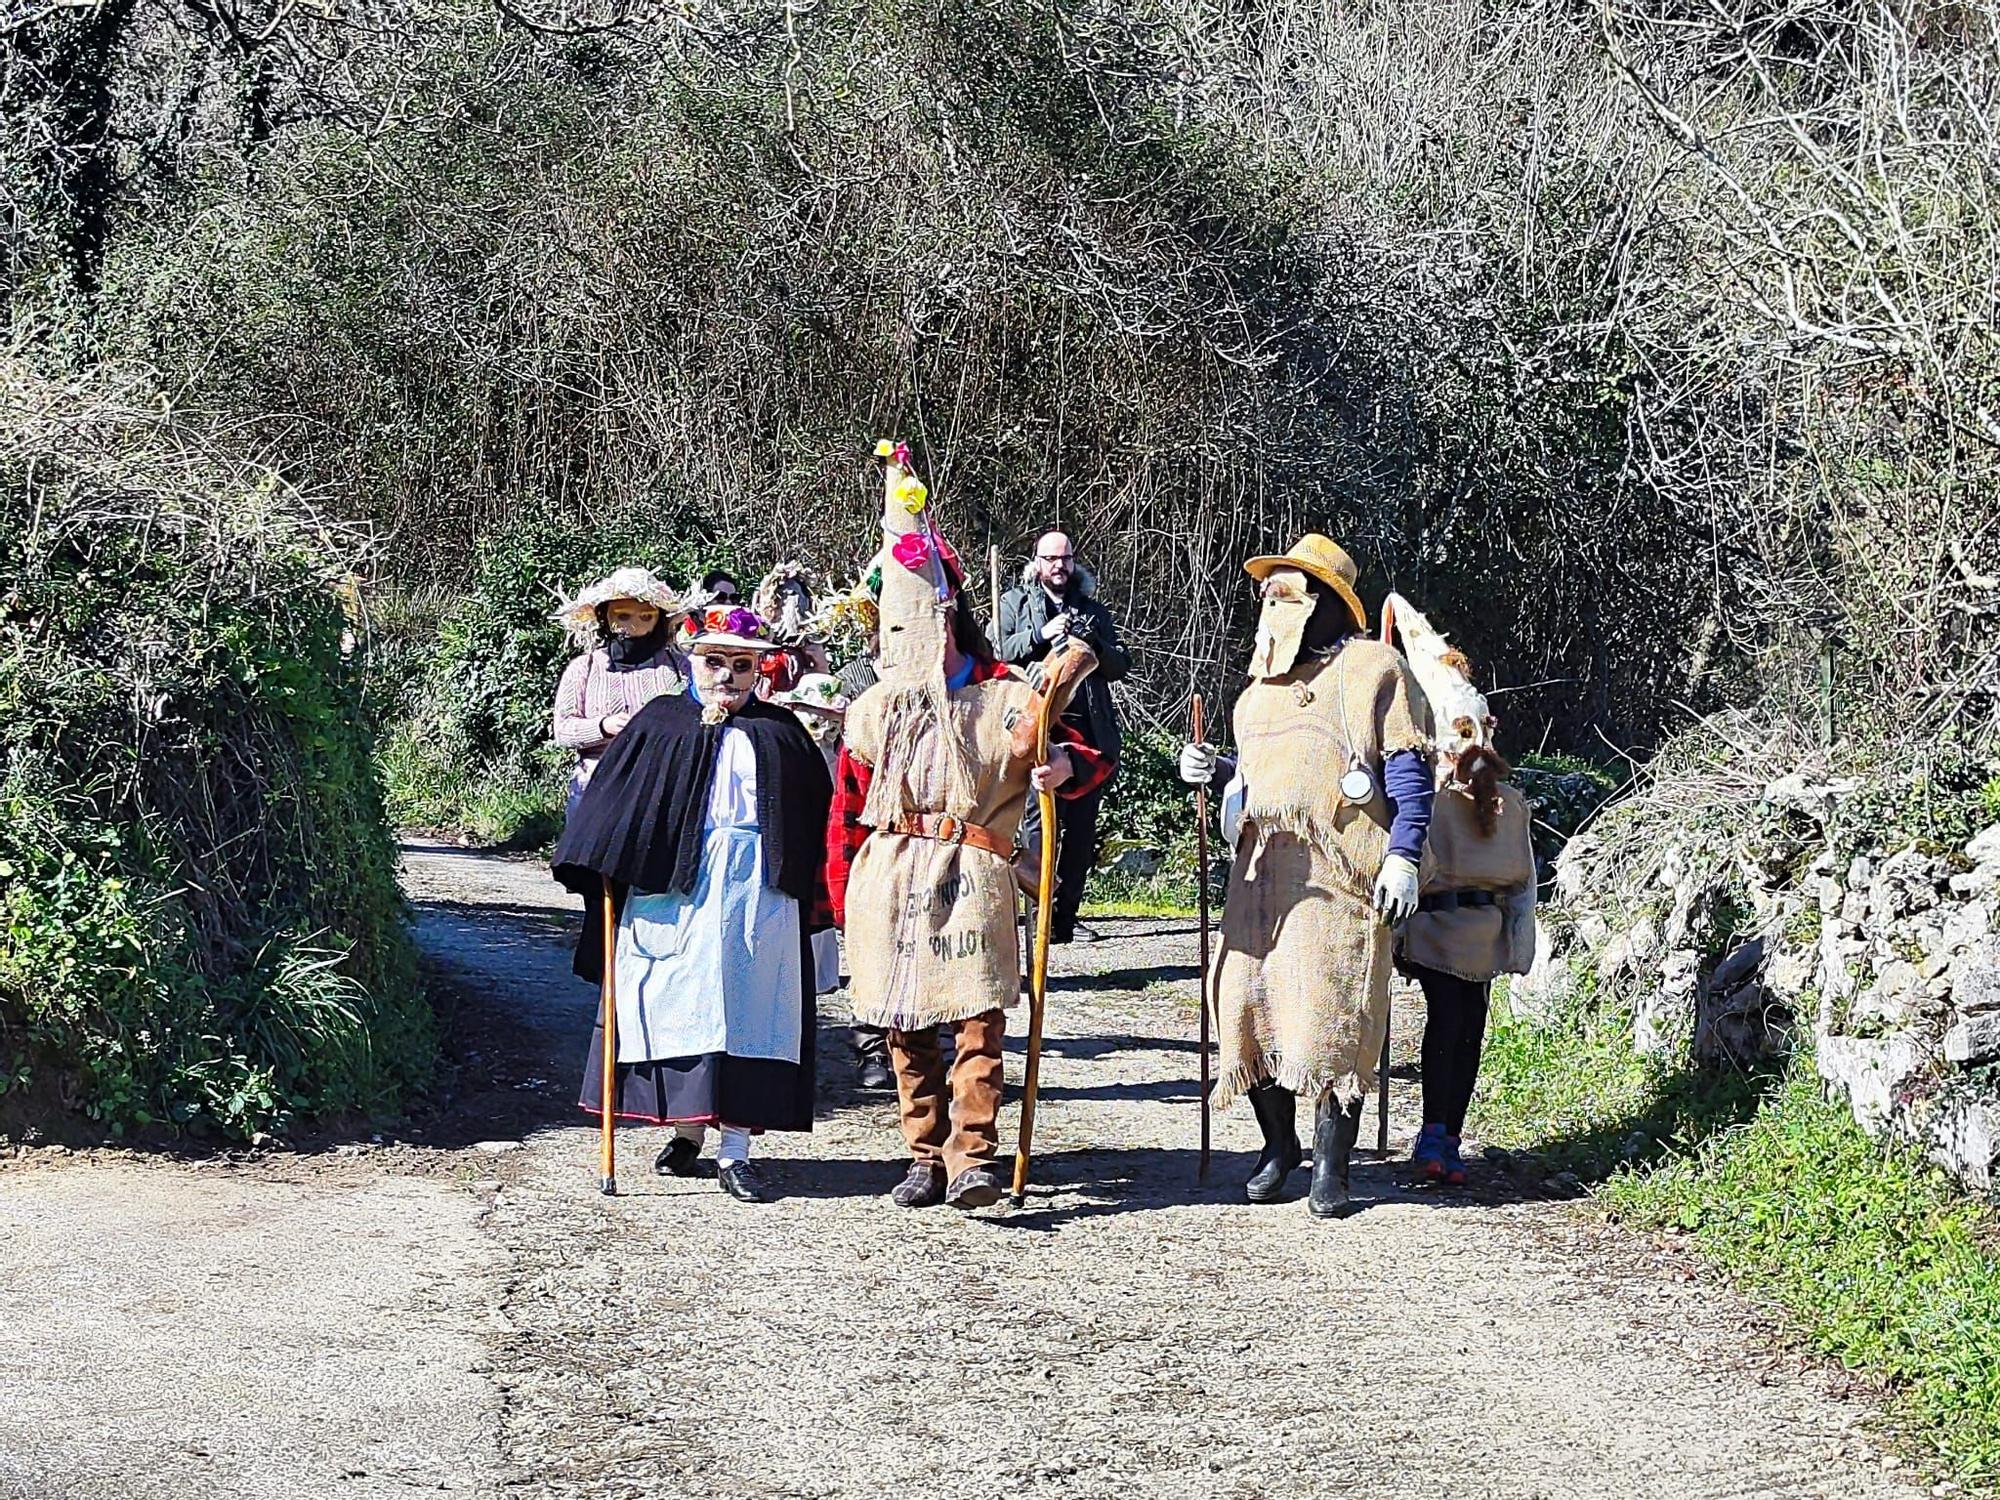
(1428,1156)
(1334,1133)
(1277,1116)
(741,1182)
(975,1187)
(1454,1164)
(682,1158)
(922,1186)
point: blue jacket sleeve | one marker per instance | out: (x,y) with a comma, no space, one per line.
(1406,777)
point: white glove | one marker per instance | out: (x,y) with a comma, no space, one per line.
(1198,764)
(1057,628)
(1396,890)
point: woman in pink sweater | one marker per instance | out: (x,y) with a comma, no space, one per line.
(627,625)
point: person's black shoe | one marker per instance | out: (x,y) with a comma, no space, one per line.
(1334,1133)
(875,1075)
(741,1182)
(1277,1116)
(682,1158)
(975,1187)
(922,1186)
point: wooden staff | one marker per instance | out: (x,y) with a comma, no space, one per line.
(993,580)
(1038,982)
(1201,901)
(1389,1007)
(1382,1100)
(607,1148)
(1064,669)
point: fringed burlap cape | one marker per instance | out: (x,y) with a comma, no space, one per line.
(1301,978)
(930,925)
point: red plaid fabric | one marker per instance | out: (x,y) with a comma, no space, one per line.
(846,833)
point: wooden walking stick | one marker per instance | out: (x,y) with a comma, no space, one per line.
(1382,1100)
(607,1148)
(1201,902)
(1067,666)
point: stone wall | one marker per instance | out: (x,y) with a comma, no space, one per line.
(1886,961)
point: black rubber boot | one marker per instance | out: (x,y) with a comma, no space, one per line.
(1277,1117)
(1334,1133)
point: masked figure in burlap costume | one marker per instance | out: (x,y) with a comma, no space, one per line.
(1475,914)
(928,795)
(1326,810)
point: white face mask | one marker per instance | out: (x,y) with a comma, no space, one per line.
(1281,625)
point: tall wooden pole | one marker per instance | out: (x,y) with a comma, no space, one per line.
(607,1146)
(1389,1006)
(993,582)
(1038,988)
(1201,902)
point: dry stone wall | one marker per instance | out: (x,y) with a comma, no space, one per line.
(1886,962)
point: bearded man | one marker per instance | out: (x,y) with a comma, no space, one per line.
(1056,603)
(1327,810)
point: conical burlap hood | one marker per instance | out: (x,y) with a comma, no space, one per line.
(917,586)
(919,575)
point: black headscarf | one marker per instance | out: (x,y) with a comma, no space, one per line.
(628,653)
(640,822)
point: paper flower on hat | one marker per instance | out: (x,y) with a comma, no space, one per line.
(911,494)
(913,551)
(721,620)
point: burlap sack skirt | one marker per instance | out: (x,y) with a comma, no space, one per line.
(1301,977)
(930,932)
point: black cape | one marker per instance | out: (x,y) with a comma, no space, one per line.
(640,821)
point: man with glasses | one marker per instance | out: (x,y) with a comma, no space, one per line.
(1057,598)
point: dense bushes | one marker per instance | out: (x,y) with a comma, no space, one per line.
(201,921)
(470,673)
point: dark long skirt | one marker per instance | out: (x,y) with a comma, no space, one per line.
(750,1093)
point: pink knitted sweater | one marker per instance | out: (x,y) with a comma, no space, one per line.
(591,692)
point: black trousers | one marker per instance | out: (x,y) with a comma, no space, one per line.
(1454,1033)
(1076,855)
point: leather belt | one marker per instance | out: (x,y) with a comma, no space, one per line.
(1453,900)
(949,830)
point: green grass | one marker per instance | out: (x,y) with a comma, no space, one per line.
(1874,1258)
(1577,1095)
(1878,1259)
(1168,894)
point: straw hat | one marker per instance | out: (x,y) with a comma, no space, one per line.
(817,693)
(579,615)
(1322,558)
(727,625)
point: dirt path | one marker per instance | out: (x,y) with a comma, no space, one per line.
(449,1313)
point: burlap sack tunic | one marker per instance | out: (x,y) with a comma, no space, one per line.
(930,925)
(1301,978)
(1472,942)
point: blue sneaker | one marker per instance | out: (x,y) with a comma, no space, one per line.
(1428,1156)
(1454,1164)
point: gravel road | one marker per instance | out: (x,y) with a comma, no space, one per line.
(458,1310)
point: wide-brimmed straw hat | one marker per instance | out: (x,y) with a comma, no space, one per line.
(1322,558)
(579,615)
(727,625)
